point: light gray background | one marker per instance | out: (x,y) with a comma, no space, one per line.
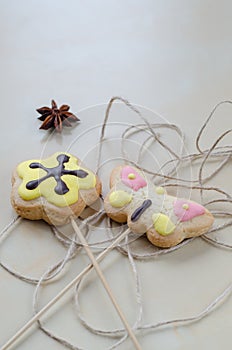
(171,56)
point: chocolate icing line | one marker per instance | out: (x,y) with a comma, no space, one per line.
(140,210)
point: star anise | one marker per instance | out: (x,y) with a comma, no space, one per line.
(56,117)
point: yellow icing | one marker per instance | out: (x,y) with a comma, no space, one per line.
(119,198)
(185,206)
(131,176)
(160,190)
(46,188)
(162,224)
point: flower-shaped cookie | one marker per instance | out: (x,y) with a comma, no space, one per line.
(166,220)
(53,189)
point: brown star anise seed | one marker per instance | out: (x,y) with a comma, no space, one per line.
(56,117)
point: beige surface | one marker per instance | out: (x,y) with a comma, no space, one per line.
(171,56)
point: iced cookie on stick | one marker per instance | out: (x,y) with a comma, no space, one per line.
(165,219)
(57,190)
(53,189)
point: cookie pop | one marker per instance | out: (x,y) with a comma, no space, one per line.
(57,190)
(54,189)
(165,219)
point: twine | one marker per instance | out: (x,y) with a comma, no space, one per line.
(167,175)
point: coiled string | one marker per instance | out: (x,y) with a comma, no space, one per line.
(218,156)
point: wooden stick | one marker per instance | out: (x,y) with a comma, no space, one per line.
(48,306)
(105,284)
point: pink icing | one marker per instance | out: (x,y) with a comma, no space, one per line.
(136,183)
(194,209)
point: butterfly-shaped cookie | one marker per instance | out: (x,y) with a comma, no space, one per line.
(167,220)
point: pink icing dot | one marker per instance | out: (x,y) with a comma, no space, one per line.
(194,209)
(136,183)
